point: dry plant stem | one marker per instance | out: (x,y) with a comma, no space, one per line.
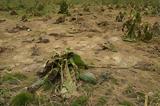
(146,100)
(61,75)
(34,87)
(92,66)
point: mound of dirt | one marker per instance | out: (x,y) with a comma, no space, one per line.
(18,28)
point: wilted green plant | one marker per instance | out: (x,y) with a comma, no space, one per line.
(63,71)
(88,77)
(136,30)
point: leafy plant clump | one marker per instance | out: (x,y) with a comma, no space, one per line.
(62,73)
(135,30)
(63,7)
(63,70)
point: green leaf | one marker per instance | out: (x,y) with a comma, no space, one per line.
(129,39)
(68,83)
(78,61)
(47,84)
(88,77)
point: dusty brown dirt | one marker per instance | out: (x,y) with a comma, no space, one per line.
(84,32)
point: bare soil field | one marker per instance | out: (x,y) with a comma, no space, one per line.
(127,73)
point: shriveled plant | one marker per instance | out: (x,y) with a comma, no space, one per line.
(135,29)
(62,72)
(120,16)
